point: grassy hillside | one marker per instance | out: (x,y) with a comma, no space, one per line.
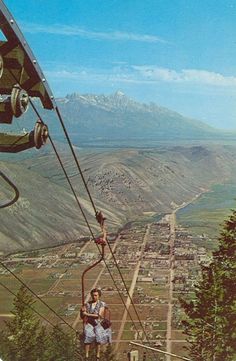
(45,214)
(126,184)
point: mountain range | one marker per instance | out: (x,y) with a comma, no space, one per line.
(91,117)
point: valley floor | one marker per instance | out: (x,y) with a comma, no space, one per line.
(158,260)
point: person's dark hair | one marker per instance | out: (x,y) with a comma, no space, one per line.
(96,290)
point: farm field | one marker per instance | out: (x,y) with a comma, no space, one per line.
(205,215)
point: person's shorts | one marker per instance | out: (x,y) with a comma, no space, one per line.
(96,334)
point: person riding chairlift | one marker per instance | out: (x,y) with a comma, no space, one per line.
(96,326)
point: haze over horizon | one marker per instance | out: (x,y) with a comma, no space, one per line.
(179,54)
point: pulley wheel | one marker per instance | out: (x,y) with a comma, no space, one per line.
(19,101)
(40,134)
(1,66)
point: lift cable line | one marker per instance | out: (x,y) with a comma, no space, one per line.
(91,232)
(120,273)
(85,184)
(81,209)
(160,351)
(127,291)
(114,281)
(75,158)
(72,188)
(84,216)
(90,196)
(127,309)
(102,219)
(64,170)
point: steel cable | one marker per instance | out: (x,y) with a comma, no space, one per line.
(93,205)
(75,157)
(84,216)
(89,194)
(117,266)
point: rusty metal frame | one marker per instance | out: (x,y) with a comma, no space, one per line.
(12,185)
(89,268)
(36,85)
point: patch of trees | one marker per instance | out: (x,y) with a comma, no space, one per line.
(24,337)
(211,315)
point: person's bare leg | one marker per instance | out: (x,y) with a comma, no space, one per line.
(87,347)
(98,350)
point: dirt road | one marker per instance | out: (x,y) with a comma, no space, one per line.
(172,221)
(131,289)
(171,218)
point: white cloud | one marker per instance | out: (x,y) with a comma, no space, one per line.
(65,30)
(145,75)
(193,76)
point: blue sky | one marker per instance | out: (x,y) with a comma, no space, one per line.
(180,54)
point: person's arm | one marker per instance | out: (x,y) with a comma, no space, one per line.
(83,313)
(94,315)
(101,312)
(86,313)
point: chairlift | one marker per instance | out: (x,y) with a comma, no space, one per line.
(20,79)
(8,203)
